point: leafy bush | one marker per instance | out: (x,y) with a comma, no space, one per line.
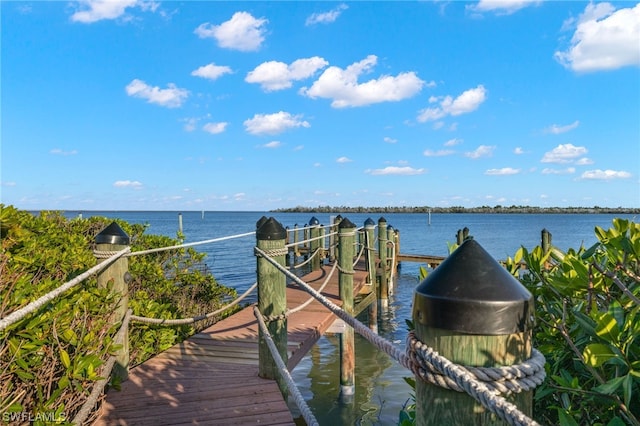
(50,359)
(588,328)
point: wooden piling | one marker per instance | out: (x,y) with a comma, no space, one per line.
(314,244)
(116,276)
(382,254)
(545,240)
(370,259)
(272,301)
(474,313)
(346,241)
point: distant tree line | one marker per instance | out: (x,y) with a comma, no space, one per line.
(460,209)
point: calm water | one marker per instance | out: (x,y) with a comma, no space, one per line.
(380,389)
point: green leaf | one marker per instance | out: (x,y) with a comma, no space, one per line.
(610,387)
(627,389)
(597,354)
(607,327)
(64,357)
(565,418)
(616,421)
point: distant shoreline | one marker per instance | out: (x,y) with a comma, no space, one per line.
(483,210)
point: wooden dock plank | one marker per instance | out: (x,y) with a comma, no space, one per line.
(212,377)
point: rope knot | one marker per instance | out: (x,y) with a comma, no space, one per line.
(431,367)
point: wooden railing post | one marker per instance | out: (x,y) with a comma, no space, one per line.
(382,267)
(272,297)
(474,313)
(346,241)
(116,276)
(545,241)
(332,239)
(314,244)
(391,237)
(296,238)
(370,259)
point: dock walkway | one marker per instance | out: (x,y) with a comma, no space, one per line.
(212,377)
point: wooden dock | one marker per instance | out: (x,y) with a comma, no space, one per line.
(212,377)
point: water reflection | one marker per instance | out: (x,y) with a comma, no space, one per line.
(380,391)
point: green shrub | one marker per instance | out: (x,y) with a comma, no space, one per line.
(50,359)
(588,328)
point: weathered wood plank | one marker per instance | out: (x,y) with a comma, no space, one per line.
(212,377)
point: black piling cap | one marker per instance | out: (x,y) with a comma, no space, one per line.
(382,219)
(470,292)
(369,222)
(261,221)
(113,234)
(346,223)
(314,221)
(271,229)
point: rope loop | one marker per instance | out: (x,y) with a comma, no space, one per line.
(500,380)
(344,271)
(272,252)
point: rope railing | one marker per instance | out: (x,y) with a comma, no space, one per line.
(464,379)
(282,369)
(196,243)
(183,321)
(43,300)
(98,387)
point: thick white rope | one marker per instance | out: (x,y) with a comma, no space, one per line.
(308,416)
(478,390)
(43,300)
(197,243)
(182,321)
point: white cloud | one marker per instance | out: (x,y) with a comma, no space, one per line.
(215,128)
(8,183)
(605,175)
(211,71)
(127,184)
(518,150)
(272,144)
(242,32)
(504,7)
(604,39)
(341,85)
(326,17)
(96,10)
(505,171)
(58,151)
(273,124)
(481,151)
(439,153)
(564,153)
(274,75)
(343,160)
(567,171)
(584,161)
(453,142)
(171,97)
(468,101)
(557,129)
(390,140)
(395,170)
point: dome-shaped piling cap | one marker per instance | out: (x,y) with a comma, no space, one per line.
(261,221)
(470,292)
(113,234)
(346,224)
(369,223)
(271,229)
(314,221)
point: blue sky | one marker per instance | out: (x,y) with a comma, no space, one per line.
(145,105)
